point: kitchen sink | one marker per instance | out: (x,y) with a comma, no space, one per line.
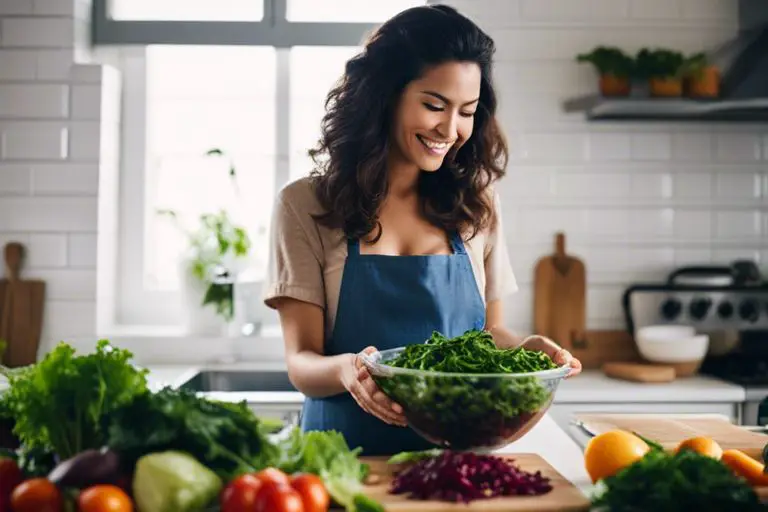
(240,382)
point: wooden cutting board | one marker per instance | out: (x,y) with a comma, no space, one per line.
(21,310)
(560,297)
(564,496)
(639,372)
(669,429)
(606,346)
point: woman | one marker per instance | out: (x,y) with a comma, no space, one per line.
(397,232)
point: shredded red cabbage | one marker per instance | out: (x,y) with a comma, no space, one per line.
(466,476)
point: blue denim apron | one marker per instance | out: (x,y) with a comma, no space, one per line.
(389,302)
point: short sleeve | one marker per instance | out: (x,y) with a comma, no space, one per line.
(295,256)
(500,280)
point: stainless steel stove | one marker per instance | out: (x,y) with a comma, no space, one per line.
(730,303)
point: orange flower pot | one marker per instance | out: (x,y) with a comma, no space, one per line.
(666,87)
(612,85)
(704,83)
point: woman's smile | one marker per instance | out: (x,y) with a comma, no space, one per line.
(433,146)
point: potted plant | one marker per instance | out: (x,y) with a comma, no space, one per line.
(614,68)
(663,69)
(701,78)
(217,248)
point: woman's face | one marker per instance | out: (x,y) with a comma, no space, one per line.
(435,113)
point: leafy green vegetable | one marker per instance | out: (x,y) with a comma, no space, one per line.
(685,480)
(58,403)
(472,352)
(409,457)
(468,411)
(174,481)
(226,437)
(326,454)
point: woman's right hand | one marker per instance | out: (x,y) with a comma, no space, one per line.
(358,381)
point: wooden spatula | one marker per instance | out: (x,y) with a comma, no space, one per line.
(22,305)
(560,303)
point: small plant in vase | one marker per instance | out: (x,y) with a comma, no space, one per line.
(702,78)
(663,69)
(614,68)
(215,248)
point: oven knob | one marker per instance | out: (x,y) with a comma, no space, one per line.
(749,310)
(725,310)
(699,308)
(671,308)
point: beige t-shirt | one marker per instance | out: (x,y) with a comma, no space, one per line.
(306,260)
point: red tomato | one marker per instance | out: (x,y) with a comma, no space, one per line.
(37,495)
(104,498)
(240,494)
(10,477)
(273,475)
(313,493)
(274,497)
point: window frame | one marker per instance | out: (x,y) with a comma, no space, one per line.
(136,308)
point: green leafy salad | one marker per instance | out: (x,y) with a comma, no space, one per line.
(468,410)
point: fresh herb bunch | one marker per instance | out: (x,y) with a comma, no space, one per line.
(472,352)
(466,412)
(685,480)
(58,404)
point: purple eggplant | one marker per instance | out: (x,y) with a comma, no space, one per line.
(87,468)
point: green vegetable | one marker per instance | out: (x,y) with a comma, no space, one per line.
(609,60)
(685,480)
(59,403)
(466,412)
(326,454)
(174,481)
(226,437)
(409,457)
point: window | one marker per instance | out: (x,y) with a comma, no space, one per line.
(259,103)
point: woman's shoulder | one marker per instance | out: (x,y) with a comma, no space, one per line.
(300,196)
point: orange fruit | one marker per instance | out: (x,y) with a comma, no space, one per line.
(608,453)
(702,445)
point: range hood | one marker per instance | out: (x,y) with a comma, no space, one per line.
(744,85)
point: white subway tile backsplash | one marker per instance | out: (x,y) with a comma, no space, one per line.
(81,250)
(46,250)
(17,65)
(568,10)
(651,186)
(655,9)
(66,320)
(607,223)
(692,185)
(37,32)
(693,256)
(85,140)
(54,7)
(604,302)
(48,214)
(597,185)
(505,12)
(720,10)
(54,64)
(526,183)
(693,225)
(548,147)
(739,186)
(33,141)
(651,146)
(86,102)
(34,101)
(739,224)
(65,179)
(728,255)
(738,147)
(14,180)
(86,73)
(652,223)
(692,147)
(537,224)
(15,7)
(67,284)
(604,147)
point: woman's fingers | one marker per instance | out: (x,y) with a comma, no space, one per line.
(376,409)
(365,379)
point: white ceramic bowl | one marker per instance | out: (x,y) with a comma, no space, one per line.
(684,349)
(665,333)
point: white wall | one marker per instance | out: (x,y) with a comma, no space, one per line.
(635,199)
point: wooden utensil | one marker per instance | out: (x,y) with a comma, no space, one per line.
(605,346)
(670,429)
(639,372)
(560,303)
(564,496)
(22,303)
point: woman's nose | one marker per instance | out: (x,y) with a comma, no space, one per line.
(448,128)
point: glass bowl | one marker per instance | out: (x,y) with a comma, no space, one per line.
(465,411)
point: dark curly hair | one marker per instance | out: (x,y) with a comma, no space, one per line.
(350,175)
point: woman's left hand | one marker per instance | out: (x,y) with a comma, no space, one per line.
(558,354)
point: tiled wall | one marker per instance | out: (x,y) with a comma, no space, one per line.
(635,199)
(52,112)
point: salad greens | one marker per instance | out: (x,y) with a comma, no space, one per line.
(464,411)
(472,352)
(58,403)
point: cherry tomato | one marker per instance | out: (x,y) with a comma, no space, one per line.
(37,495)
(273,475)
(104,498)
(313,493)
(240,494)
(10,477)
(275,497)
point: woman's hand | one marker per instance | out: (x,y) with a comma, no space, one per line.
(558,354)
(358,381)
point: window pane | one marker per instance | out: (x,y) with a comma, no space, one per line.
(347,11)
(199,98)
(314,71)
(198,10)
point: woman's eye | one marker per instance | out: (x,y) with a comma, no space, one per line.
(467,114)
(433,108)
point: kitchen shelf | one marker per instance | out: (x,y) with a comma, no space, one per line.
(598,108)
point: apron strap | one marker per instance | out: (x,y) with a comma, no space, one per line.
(457,244)
(353,247)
